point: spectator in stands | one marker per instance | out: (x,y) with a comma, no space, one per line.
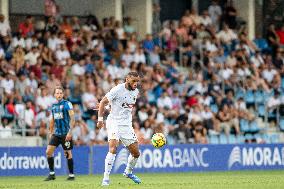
(5,128)
(29,119)
(26,28)
(186,72)
(5,28)
(228,120)
(230,15)
(215,13)
(280,34)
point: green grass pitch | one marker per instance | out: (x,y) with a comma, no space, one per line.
(210,180)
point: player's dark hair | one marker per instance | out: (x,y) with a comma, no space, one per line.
(133,74)
(58,87)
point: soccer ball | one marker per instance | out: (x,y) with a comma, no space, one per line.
(158,140)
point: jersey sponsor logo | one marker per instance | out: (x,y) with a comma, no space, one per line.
(61,106)
(58,115)
(126,105)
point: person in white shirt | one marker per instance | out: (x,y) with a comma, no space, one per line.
(226,72)
(269,73)
(274,101)
(227,35)
(139,56)
(89,99)
(257,59)
(62,54)
(113,69)
(2,53)
(45,100)
(53,42)
(79,69)
(123,70)
(127,57)
(122,99)
(205,19)
(5,28)
(29,117)
(8,83)
(18,41)
(5,128)
(165,101)
(154,56)
(32,56)
(215,13)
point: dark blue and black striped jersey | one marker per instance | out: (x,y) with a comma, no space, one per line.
(61,117)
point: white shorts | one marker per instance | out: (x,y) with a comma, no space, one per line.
(124,133)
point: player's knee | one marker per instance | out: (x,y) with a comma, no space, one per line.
(68,155)
(48,153)
(136,154)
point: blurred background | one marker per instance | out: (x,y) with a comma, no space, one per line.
(212,70)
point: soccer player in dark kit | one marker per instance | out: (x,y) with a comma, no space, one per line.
(61,124)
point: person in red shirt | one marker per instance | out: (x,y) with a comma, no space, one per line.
(37,69)
(280,34)
(66,28)
(192,101)
(57,70)
(26,28)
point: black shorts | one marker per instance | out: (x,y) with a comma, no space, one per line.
(57,140)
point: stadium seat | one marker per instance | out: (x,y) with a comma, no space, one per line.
(232,139)
(274,138)
(223,139)
(213,139)
(271,115)
(266,138)
(261,110)
(254,126)
(240,139)
(239,94)
(249,97)
(262,44)
(214,108)
(244,125)
(249,136)
(281,123)
(259,97)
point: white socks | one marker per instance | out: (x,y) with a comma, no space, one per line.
(130,164)
(108,164)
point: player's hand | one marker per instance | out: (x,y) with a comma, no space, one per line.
(68,137)
(100,124)
(96,107)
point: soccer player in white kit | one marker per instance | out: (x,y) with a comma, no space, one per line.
(122,99)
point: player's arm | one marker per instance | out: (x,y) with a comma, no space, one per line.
(71,113)
(102,105)
(51,127)
(72,124)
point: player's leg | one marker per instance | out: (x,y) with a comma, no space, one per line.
(68,146)
(133,157)
(132,160)
(109,160)
(53,143)
(70,163)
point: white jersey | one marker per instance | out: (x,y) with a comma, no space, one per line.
(122,102)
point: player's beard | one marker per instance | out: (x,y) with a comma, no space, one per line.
(129,87)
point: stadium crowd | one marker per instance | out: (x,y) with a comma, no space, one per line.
(203,80)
